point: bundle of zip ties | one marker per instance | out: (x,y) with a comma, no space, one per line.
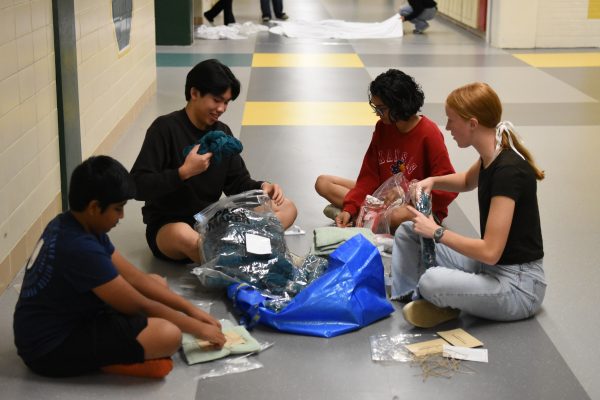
(435,365)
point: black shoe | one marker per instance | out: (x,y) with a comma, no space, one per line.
(418,32)
(266,19)
(283,17)
(209,19)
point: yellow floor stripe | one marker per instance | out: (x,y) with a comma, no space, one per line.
(308,113)
(594,9)
(560,60)
(326,60)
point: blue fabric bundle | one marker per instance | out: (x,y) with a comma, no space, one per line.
(218,143)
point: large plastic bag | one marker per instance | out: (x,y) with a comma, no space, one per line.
(227,229)
(349,295)
(376,210)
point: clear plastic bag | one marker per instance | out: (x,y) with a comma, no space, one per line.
(235,365)
(187,287)
(371,214)
(392,347)
(375,212)
(225,227)
(230,366)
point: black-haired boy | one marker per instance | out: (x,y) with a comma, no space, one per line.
(83,307)
(175,186)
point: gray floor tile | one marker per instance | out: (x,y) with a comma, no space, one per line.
(513,84)
(308,84)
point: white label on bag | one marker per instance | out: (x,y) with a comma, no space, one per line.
(257,244)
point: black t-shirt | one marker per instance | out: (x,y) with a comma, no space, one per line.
(56,295)
(156,174)
(511,176)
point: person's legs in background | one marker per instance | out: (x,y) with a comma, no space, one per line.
(278,9)
(228,10)
(265,9)
(221,5)
(421,23)
(214,11)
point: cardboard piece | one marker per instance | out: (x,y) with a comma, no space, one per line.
(460,337)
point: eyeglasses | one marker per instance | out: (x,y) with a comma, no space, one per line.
(379,110)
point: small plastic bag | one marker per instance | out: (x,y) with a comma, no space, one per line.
(392,348)
(376,210)
(371,214)
(234,365)
(187,287)
(230,366)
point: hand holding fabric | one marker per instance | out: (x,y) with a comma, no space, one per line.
(417,188)
(423,225)
(194,163)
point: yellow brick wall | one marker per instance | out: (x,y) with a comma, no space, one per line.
(113,88)
(29,158)
(111,82)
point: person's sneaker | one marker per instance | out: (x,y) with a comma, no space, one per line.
(266,19)
(423,314)
(331,211)
(418,32)
(283,17)
(208,18)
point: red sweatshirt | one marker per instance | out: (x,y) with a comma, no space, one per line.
(420,153)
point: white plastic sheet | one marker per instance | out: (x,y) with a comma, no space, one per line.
(231,31)
(339,29)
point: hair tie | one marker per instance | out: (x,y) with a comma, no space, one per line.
(509,128)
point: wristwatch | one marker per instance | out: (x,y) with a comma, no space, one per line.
(437,235)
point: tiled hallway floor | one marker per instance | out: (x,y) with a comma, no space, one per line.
(556,110)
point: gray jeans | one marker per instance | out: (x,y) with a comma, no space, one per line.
(497,292)
(420,21)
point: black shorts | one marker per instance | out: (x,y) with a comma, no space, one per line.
(109,338)
(152,230)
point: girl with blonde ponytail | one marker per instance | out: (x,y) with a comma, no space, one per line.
(499,276)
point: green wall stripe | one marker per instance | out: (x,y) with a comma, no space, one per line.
(191,59)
